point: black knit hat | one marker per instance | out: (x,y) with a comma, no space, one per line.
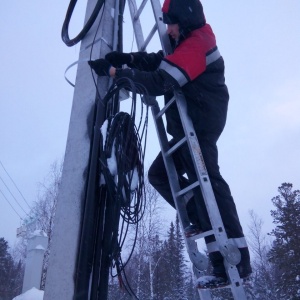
(187,13)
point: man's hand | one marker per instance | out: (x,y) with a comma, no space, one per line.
(100,66)
(117,59)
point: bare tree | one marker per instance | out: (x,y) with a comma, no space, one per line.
(41,215)
(260,245)
(144,263)
(148,243)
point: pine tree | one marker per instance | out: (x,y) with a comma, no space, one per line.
(191,291)
(162,273)
(285,252)
(9,273)
(175,268)
(171,258)
(180,264)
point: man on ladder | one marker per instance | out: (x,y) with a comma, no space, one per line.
(197,67)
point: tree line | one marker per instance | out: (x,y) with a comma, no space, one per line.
(159,269)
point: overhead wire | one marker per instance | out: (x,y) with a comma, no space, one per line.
(15,184)
(13,195)
(11,205)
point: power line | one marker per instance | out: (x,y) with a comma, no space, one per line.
(15,184)
(13,195)
(10,204)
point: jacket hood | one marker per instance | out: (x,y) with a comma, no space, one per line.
(187,13)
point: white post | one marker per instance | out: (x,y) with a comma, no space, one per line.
(37,245)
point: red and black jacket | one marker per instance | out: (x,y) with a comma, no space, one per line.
(198,68)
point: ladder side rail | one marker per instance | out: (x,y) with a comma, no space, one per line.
(230,252)
(200,168)
(172,173)
(237,288)
(174,184)
(191,245)
(201,171)
(161,27)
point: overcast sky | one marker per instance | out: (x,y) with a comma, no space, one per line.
(259,149)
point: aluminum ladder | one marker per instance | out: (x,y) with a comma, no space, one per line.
(228,250)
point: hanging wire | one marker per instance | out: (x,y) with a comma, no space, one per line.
(10,205)
(13,196)
(122,146)
(14,184)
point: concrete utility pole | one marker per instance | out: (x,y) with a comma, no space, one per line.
(63,250)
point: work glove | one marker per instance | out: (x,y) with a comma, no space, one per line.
(117,59)
(100,66)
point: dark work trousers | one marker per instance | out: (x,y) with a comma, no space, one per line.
(159,180)
(209,118)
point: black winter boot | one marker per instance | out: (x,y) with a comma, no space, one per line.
(244,267)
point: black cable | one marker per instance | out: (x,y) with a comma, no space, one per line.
(125,182)
(65,28)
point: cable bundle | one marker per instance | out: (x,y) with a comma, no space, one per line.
(123,155)
(122,161)
(122,171)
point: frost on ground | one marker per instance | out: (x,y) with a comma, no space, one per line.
(32,294)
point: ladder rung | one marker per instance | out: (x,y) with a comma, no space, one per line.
(176,146)
(139,11)
(187,189)
(149,37)
(201,235)
(163,110)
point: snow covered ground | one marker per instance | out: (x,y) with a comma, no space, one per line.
(32,294)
